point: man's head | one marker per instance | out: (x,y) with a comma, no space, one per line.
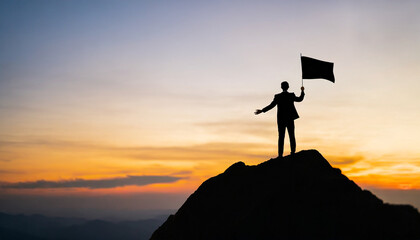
(284,86)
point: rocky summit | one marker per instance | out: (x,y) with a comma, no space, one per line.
(296,197)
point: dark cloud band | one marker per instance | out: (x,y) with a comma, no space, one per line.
(93,183)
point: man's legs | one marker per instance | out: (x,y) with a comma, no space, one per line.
(282,130)
(291,132)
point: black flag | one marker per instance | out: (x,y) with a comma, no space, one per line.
(314,68)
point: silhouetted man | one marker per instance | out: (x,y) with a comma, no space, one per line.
(286,114)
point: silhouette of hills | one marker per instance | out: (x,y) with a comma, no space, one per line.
(296,197)
(39,227)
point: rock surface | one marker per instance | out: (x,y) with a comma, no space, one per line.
(296,197)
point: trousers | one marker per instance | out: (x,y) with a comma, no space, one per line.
(281,126)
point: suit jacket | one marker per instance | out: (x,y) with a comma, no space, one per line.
(286,110)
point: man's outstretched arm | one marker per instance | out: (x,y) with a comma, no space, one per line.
(302,95)
(268,108)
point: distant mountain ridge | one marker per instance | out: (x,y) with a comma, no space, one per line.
(297,197)
(39,227)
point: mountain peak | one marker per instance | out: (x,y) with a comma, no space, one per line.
(300,196)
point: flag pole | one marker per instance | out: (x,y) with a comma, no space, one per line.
(301,66)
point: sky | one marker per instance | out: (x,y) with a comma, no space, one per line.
(128,106)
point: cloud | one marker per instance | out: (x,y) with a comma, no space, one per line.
(344,160)
(93,183)
(8,171)
(206,151)
(49,143)
(185,172)
(258,128)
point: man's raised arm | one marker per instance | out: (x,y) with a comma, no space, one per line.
(268,108)
(302,95)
